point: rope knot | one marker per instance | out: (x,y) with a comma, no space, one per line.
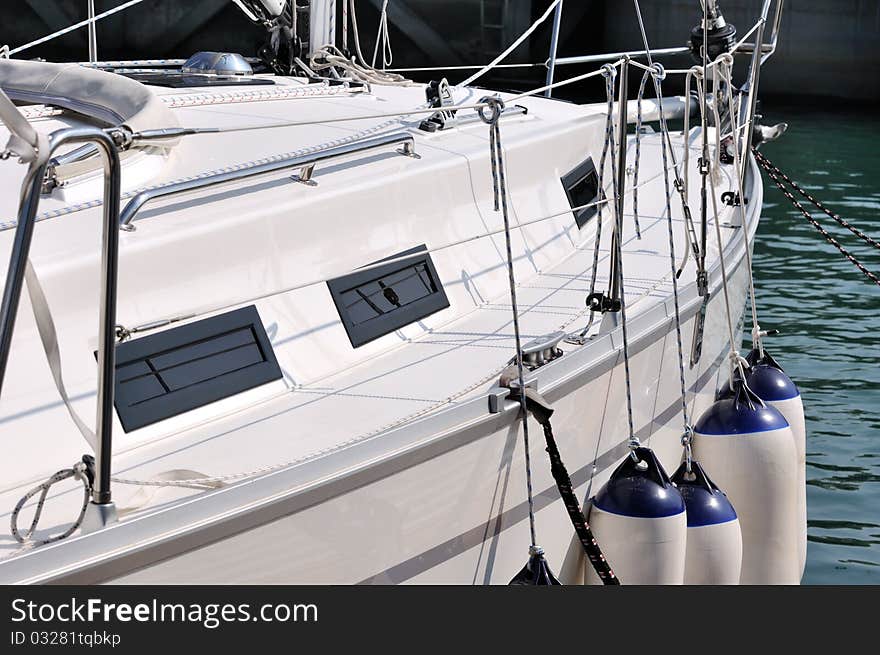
(726,59)
(696,71)
(658,71)
(493,103)
(80,472)
(609,71)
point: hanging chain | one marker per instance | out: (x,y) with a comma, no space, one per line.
(765,164)
(490,114)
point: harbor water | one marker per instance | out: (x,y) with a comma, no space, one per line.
(829,317)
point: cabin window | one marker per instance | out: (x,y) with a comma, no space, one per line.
(582,188)
(177,370)
(382,299)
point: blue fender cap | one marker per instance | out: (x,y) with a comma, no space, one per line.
(706,504)
(771,384)
(637,493)
(730,416)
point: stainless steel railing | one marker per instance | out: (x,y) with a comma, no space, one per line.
(99,141)
(305,163)
(109,267)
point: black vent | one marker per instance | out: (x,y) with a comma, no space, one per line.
(166,374)
(380,300)
(582,188)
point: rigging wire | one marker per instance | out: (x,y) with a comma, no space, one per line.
(513,46)
(383,39)
(75,26)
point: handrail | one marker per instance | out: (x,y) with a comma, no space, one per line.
(109,268)
(306,163)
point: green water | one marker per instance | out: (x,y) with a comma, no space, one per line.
(829,315)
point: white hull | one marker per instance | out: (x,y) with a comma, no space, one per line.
(385,466)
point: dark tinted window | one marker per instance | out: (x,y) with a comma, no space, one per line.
(582,188)
(380,300)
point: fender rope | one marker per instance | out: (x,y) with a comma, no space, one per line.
(572,506)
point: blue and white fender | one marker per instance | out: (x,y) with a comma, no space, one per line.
(638,519)
(749,447)
(714,538)
(767,379)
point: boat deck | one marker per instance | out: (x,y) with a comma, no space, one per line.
(448,365)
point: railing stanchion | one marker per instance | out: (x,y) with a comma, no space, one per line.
(102,506)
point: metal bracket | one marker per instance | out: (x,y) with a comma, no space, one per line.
(732,199)
(498,394)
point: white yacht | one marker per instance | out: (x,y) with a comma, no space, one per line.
(264,315)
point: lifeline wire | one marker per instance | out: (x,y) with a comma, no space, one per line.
(75,26)
(499,182)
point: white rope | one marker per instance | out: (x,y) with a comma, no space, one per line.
(75,26)
(383,39)
(363,70)
(329,56)
(513,46)
(79,472)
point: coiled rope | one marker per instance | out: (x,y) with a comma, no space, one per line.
(82,471)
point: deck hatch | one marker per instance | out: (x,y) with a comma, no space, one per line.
(582,187)
(380,300)
(177,370)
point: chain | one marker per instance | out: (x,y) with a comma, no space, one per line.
(765,164)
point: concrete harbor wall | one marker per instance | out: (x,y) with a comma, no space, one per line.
(827,47)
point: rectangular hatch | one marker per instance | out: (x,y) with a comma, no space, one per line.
(181,369)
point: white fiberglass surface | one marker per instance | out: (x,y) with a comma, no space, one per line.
(449,363)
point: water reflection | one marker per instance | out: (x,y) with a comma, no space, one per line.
(829,314)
